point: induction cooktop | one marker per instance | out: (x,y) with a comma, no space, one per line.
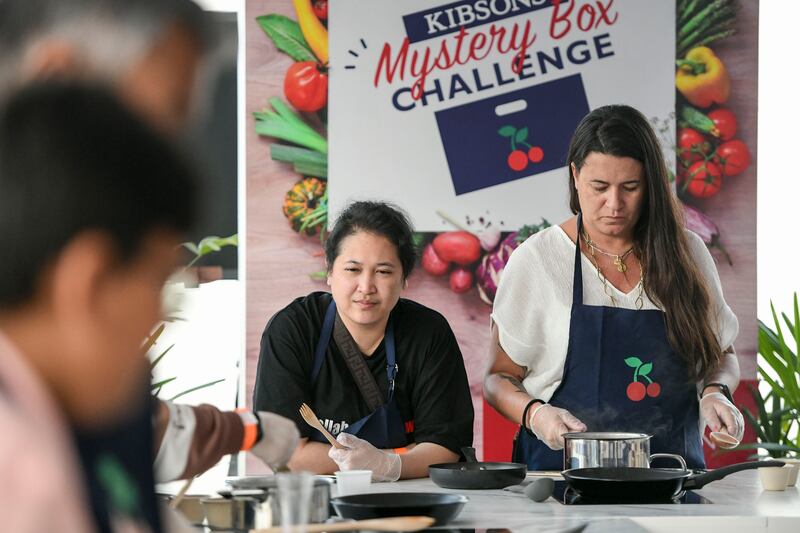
(565,495)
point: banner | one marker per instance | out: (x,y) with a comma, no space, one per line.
(469,107)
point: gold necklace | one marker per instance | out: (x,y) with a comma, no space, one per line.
(639,302)
(619,259)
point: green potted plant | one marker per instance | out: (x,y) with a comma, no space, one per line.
(776,420)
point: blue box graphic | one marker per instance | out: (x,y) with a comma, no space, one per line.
(478,155)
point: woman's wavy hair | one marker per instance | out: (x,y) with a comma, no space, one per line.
(672,279)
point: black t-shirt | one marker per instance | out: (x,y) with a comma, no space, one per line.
(431,387)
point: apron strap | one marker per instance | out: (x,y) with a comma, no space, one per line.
(355,359)
(324,340)
(577,278)
(358,367)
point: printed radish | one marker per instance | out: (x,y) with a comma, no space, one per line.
(488,236)
(461,280)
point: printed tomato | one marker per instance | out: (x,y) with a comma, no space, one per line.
(692,145)
(725,121)
(733,157)
(460,247)
(306,86)
(432,263)
(320,8)
(705,179)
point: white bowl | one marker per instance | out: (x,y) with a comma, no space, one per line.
(795,464)
(774,477)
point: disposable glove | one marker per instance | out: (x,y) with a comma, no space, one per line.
(721,415)
(278,442)
(548,423)
(361,455)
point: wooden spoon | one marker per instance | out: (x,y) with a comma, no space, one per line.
(312,420)
(397,523)
(723,440)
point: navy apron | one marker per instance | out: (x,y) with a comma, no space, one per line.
(384,427)
(621,374)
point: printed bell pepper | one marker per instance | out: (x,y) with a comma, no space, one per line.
(702,78)
(315,33)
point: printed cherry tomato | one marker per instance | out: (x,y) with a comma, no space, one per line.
(692,146)
(306,87)
(725,121)
(733,157)
(705,179)
(320,8)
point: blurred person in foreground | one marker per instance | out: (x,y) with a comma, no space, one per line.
(150,52)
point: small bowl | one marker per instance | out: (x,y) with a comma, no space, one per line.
(192,508)
(795,464)
(774,477)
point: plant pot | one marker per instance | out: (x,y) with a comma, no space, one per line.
(795,464)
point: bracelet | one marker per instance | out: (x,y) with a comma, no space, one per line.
(722,387)
(524,423)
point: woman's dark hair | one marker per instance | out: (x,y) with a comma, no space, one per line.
(660,240)
(378,218)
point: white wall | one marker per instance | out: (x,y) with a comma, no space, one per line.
(778,154)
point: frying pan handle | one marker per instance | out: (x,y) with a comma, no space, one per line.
(469,454)
(700,480)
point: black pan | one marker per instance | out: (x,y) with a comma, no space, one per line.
(439,506)
(476,475)
(646,484)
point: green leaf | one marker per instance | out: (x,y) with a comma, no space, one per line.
(320,275)
(203,386)
(521,135)
(645,369)
(507,131)
(191,247)
(295,154)
(286,35)
(160,357)
(161,383)
(633,362)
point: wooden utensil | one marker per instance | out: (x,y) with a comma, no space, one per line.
(312,420)
(723,440)
(397,523)
(181,493)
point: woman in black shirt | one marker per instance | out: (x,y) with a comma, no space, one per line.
(383,373)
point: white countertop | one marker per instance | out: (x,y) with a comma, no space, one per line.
(739,504)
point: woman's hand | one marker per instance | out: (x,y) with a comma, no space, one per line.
(549,423)
(361,455)
(721,415)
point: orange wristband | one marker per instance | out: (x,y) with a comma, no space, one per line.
(400,451)
(250,425)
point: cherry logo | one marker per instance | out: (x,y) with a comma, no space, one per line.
(637,390)
(518,159)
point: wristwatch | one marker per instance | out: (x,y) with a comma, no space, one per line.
(724,388)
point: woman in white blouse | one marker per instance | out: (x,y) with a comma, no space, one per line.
(629,330)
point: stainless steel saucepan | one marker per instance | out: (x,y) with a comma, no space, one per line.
(609,449)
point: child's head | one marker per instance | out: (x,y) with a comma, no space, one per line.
(93,206)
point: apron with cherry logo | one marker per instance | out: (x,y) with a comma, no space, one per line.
(621,374)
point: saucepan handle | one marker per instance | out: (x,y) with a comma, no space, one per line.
(669,456)
(700,480)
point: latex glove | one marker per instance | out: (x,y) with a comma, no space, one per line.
(551,422)
(279,440)
(361,455)
(721,415)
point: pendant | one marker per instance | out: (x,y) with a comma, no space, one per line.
(621,267)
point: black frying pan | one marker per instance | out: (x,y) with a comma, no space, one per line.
(646,484)
(476,475)
(439,506)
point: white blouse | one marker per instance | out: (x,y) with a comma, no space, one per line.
(534,299)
